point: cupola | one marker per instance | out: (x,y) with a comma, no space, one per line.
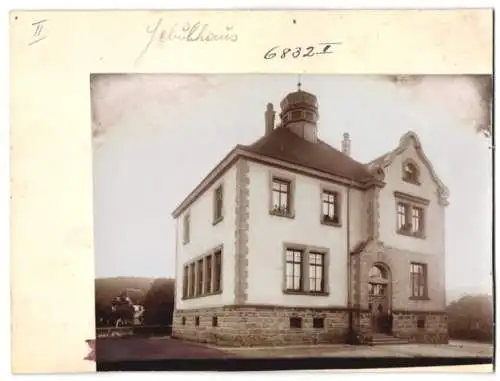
(299,113)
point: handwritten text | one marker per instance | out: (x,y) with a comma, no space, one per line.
(300,51)
(188,32)
(38,33)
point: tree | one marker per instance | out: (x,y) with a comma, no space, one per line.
(471,318)
(159,302)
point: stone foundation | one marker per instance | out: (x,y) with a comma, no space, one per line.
(421,327)
(261,325)
(241,326)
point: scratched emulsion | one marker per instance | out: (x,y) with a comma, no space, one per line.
(114,96)
(469,97)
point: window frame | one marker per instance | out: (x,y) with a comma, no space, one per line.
(207,281)
(337,205)
(218,209)
(305,277)
(415,178)
(423,278)
(411,203)
(185,281)
(186,228)
(276,177)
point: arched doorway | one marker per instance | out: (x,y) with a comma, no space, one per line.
(378,298)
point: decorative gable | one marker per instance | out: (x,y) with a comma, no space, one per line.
(410,171)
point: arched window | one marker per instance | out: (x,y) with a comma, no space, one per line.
(410,172)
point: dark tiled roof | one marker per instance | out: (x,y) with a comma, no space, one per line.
(284,145)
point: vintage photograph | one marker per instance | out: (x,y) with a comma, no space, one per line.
(292,217)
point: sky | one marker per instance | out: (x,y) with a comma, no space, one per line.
(156,136)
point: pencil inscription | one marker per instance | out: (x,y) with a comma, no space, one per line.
(188,32)
(38,34)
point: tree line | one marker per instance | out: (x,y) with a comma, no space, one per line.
(156,296)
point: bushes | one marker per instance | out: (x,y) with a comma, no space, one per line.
(471,318)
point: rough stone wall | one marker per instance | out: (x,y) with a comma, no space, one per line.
(434,329)
(261,326)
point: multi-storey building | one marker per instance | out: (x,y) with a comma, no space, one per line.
(289,240)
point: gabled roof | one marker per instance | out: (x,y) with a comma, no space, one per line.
(284,145)
(411,138)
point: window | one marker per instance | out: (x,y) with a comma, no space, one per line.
(183,320)
(416,220)
(197,320)
(418,279)
(191,283)
(316,272)
(203,276)
(295,322)
(305,270)
(218,204)
(281,198)
(319,323)
(410,219)
(186,231)
(410,173)
(218,271)
(208,274)
(185,282)
(199,279)
(376,289)
(294,269)
(330,207)
(421,322)
(296,114)
(214,321)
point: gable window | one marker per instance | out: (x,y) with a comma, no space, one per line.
(316,272)
(218,203)
(410,173)
(330,211)
(305,270)
(185,282)
(418,280)
(410,215)
(218,271)
(186,228)
(281,197)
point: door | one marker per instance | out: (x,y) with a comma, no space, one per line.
(378,306)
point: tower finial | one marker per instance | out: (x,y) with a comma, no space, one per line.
(299,84)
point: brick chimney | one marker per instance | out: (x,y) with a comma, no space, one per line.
(346,144)
(269,116)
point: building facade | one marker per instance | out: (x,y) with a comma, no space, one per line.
(291,241)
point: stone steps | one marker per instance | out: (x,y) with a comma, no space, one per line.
(382,339)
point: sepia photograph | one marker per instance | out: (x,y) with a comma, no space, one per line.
(283,219)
